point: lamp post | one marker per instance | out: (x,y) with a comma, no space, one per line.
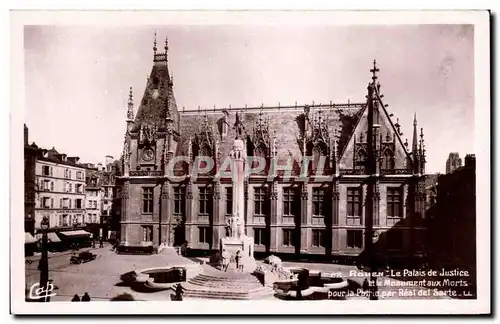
(44,261)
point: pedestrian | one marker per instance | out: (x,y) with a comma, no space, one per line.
(365,285)
(53,285)
(86,297)
(100,243)
(225,260)
(179,290)
(238,259)
(75,298)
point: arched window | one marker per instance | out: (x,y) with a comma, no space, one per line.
(318,151)
(387,160)
(205,151)
(361,159)
(204,155)
(260,156)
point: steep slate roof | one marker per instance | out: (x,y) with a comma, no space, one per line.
(386,127)
(154,110)
(283,124)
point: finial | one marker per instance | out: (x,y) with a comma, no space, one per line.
(166,45)
(406,142)
(154,44)
(374,70)
(130,110)
(130,96)
(421,133)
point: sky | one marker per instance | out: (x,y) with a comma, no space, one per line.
(77,78)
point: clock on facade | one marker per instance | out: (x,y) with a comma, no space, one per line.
(148,154)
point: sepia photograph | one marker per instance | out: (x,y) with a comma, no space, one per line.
(317,161)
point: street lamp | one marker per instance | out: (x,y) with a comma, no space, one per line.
(44,261)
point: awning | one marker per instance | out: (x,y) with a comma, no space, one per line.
(75,234)
(51,237)
(28,238)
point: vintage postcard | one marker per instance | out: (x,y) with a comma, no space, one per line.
(250,162)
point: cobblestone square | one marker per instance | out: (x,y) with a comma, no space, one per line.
(101,277)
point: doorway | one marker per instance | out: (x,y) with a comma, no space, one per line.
(179,235)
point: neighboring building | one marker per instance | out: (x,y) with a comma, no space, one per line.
(93,197)
(322,216)
(452,221)
(60,193)
(30,152)
(431,187)
(454,162)
(111,199)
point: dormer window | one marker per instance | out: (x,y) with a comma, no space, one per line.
(361,160)
(156,83)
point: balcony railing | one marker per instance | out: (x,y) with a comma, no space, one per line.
(146,173)
(352,172)
(395,171)
(382,171)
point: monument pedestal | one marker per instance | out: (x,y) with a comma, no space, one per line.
(245,245)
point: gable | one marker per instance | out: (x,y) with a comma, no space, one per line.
(387,134)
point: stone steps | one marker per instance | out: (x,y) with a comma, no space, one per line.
(216,284)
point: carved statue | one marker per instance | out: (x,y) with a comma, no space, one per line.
(238,225)
(234,227)
(238,126)
(229,226)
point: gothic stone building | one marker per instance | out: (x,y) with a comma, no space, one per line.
(322,213)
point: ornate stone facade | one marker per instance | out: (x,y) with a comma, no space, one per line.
(316,206)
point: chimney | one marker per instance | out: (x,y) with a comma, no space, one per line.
(26,139)
(109,160)
(73,159)
(470,160)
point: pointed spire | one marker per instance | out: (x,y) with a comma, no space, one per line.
(130,110)
(374,71)
(421,146)
(154,45)
(414,146)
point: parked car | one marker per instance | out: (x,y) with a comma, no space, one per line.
(83,257)
(129,277)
